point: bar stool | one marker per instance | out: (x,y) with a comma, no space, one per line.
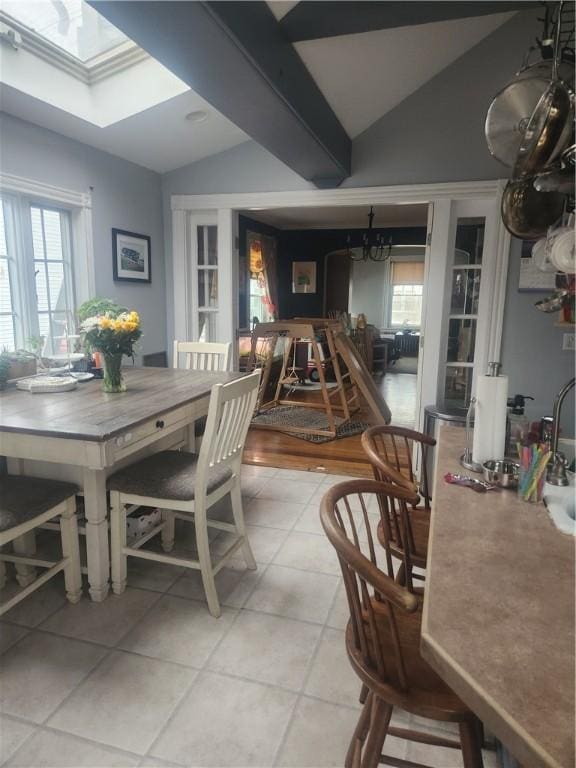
(404,528)
(25,504)
(383,639)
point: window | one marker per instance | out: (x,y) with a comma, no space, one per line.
(407,284)
(259,306)
(72,25)
(463,313)
(207,244)
(36,279)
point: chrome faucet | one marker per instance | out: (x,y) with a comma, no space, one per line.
(556,474)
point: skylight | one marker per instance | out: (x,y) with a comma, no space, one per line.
(72,25)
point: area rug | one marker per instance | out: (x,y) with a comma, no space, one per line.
(292,416)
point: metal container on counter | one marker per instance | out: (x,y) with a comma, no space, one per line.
(436,416)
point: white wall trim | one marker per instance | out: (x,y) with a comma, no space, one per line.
(80,206)
(67,197)
(445,198)
(401,194)
(99,67)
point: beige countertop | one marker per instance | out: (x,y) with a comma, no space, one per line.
(499,612)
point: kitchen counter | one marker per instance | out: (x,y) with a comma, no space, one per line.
(499,612)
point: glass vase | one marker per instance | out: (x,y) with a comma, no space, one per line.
(113,379)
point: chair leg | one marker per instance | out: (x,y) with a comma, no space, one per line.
(360,731)
(2,574)
(205,560)
(168,530)
(364,691)
(71,550)
(471,746)
(117,543)
(238,512)
(25,545)
(379,722)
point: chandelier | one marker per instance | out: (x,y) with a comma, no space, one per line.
(374,247)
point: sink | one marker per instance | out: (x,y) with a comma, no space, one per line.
(561,505)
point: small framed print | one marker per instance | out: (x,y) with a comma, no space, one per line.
(303,277)
(131,257)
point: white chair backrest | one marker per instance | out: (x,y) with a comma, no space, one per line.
(203,356)
(229,415)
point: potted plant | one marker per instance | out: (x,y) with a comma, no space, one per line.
(16,365)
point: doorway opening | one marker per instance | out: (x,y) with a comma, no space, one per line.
(312,262)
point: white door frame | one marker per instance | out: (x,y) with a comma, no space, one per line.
(438,196)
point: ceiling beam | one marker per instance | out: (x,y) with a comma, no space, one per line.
(235,56)
(312,20)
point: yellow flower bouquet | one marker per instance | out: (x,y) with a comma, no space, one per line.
(113,335)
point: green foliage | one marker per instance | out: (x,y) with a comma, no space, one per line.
(35,344)
(99,306)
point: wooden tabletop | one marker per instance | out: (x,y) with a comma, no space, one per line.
(499,609)
(88,413)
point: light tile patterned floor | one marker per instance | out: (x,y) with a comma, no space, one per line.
(151,679)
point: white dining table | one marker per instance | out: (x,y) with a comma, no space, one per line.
(93,432)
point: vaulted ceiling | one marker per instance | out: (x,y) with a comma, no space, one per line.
(302,79)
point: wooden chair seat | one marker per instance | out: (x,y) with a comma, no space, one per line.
(427,694)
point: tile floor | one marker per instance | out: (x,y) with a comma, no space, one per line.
(151,679)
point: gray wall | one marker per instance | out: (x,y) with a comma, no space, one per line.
(124,195)
(532,353)
(437,133)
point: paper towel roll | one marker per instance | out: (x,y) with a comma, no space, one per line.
(490,418)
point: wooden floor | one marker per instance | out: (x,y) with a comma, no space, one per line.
(269,448)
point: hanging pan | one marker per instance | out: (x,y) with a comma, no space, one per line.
(510,111)
(526,212)
(550,127)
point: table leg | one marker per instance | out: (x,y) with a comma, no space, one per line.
(97,548)
(25,545)
(191,437)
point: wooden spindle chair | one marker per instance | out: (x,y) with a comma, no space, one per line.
(404,529)
(383,638)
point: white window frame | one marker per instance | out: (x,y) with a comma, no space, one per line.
(98,68)
(26,192)
(408,326)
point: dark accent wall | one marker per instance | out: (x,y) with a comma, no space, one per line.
(313,245)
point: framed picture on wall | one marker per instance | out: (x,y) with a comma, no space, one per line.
(131,257)
(303,277)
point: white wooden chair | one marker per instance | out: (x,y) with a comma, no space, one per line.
(185,486)
(25,504)
(203,356)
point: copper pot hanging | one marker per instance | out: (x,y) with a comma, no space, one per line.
(527,213)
